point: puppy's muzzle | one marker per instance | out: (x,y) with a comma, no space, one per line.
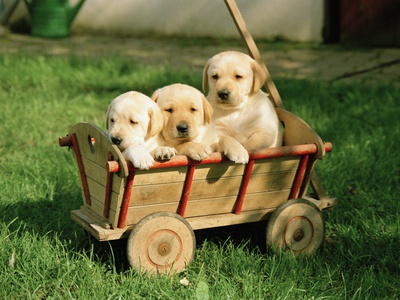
(183,129)
(116,140)
(223,94)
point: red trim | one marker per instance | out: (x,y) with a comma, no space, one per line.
(328,146)
(306,177)
(216,157)
(112,166)
(186,190)
(126,200)
(64,141)
(85,186)
(107,196)
(299,176)
(243,186)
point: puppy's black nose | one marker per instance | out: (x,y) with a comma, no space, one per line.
(116,140)
(182,128)
(223,94)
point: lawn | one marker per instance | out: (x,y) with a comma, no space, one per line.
(44,255)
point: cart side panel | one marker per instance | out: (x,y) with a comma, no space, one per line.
(214,189)
(222,180)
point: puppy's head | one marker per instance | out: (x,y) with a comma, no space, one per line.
(185,110)
(131,119)
(232,77)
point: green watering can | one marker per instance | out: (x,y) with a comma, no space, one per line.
(52,18)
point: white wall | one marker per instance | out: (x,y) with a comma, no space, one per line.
(296,20)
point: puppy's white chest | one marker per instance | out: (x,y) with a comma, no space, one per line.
(231,124)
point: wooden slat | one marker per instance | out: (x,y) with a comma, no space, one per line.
(97,191)
(214,206)
(99,174)
(270,182)
(279,164)
(214,172)
(210,206)
(229,219)
(160,176)
(178,174)
(103,222)
(97,208)
(157,193)
(95,229)
(265,200)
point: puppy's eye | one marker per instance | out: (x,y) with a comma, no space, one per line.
(112,120)
(237,76)
(133,122)
(193,109)
(170,110)
(215,76)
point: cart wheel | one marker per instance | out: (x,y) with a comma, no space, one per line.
(162,242)
(298,226)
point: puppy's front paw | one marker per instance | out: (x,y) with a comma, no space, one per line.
(139,157)
(197,151)
(235,151)
(239,157)
(164,153)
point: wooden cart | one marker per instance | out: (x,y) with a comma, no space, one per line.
(159,209)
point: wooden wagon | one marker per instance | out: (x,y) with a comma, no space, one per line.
(159,209)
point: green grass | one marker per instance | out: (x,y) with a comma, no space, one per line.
(44,255)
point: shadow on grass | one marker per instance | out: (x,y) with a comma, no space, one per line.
(250,234)
(46,217)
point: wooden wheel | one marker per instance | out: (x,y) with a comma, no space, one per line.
(162,242)
(296,225)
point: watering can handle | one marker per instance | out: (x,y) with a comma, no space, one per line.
(253,50)
(75,10)
(28,5)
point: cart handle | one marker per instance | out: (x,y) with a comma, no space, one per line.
(253,50)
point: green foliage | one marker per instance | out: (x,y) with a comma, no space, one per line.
(43,255)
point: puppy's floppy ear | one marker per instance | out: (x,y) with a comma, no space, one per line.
(108,115)
(259,76)
(156,120)
(205,76)
(208,110)
(155,95)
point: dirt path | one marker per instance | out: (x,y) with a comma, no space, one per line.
(325,63)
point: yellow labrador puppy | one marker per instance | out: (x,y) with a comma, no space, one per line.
(187,114)
(134,122)
(244,117)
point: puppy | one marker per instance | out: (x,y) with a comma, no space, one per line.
(134,122)
(244,117)
(187,114)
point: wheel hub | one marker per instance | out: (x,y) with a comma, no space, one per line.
(164,248)
(298,235)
